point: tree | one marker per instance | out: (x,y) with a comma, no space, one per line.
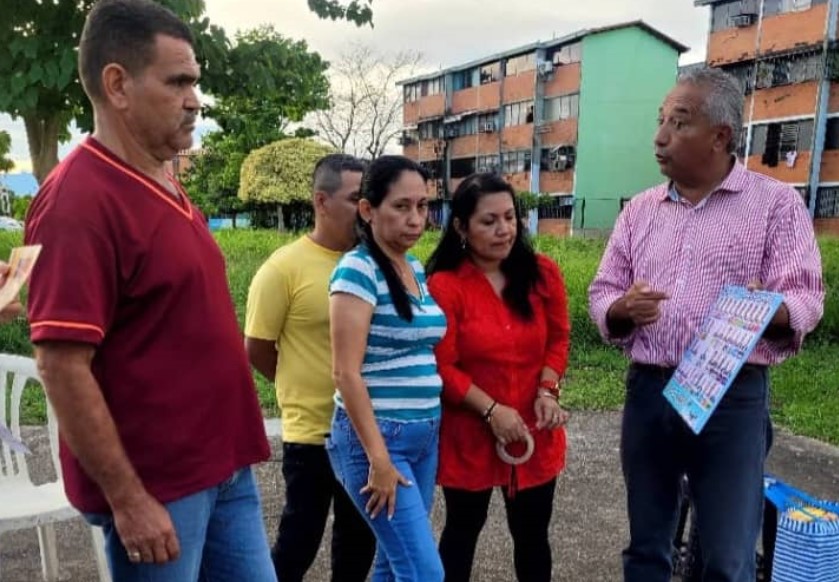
(274,81)
(365,105)
(281,172)
(38,78)
(358,12)
(6,164)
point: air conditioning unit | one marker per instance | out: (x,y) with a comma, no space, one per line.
(743,20)
(544,68)
(559,164)
(450,132)
(562,158)
(488,127)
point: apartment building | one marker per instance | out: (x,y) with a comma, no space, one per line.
(784,54)
(572,118)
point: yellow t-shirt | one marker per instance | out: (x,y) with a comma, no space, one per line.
(288,303)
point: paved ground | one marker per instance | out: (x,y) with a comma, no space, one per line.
(588,529)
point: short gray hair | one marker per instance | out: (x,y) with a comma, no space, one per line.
(724,101)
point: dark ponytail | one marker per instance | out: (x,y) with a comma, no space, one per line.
(375,185)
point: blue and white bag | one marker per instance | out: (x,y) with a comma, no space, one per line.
(807,544)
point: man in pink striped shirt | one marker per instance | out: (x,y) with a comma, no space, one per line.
(673,249)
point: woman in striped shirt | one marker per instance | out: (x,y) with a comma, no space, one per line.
(384,326)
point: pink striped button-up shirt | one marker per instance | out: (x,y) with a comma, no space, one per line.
(751,228)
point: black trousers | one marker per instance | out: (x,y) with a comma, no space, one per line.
(310,489)
(528,517)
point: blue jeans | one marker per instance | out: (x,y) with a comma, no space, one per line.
(724,465)
(406,550)
(221,535)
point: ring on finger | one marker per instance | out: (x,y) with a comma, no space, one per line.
(134,556)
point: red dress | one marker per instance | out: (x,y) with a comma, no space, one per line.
(488,345)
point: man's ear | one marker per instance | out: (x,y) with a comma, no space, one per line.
(116,85)
(723,137)
(319,201)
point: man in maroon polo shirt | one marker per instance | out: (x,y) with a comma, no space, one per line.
(133,324)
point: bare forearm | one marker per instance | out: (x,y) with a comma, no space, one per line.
(360,410)
(263,356)
(89,430)
(267,367)
(477,400)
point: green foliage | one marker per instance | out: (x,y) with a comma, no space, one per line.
(805,389)
(275,81)
(359,12)
(6,164)
(281,172)
(20,206)
(39,80)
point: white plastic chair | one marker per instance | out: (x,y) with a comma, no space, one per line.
(24,504)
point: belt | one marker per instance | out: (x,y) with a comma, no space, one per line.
(667,371)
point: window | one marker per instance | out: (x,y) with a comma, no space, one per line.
(489,164)
(786,70)
(743,72)
(741,143)
(434,168)
(518,113)
(774,140)
(565,107)
(827,203)
(556,206)
(566,154)
(515,162)
(804,191)
(463,167)
(773,7)
(490,73)
(412,92)
(464,79)
(432,87)
(466,126)
(565,55)
(520,64)
(722,14)
(831,137)
(430,129)
(486,118)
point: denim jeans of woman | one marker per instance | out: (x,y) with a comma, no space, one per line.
(406,550)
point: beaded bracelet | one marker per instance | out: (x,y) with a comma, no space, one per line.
(490,409)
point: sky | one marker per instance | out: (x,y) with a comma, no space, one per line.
(446,32)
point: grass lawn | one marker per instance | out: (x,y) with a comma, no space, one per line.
(805,390)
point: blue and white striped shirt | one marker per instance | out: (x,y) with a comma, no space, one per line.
(399,367)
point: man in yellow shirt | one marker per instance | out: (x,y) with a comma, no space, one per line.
(287,340)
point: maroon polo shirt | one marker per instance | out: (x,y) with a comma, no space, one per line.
(127,268)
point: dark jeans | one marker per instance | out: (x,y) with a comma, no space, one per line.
(724,465)
(528,516)
(310,489)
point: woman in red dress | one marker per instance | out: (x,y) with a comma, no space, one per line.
(501,360)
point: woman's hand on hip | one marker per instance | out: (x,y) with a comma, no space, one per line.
(383,480)
(507,425)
